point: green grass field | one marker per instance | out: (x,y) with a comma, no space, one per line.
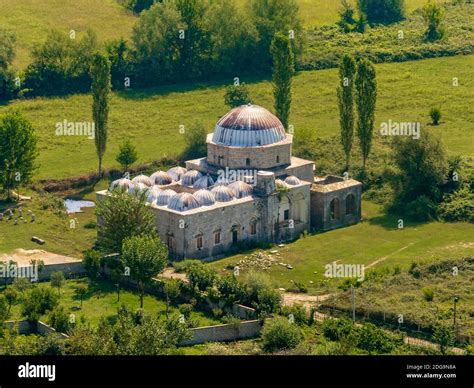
(375,238)
(31,20)
(101,302)
(151,118)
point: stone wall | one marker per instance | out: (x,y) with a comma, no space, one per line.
(267,156)
(321,215)
(26,327)
(223,333)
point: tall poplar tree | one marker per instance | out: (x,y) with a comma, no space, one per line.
(366,97)
(283,70)
(101,85)
(345,99)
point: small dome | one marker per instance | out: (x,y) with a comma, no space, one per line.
(177,172)
(138,188)
(248,126)
(164,196)
(182,202)
(222,194)
(205,197)
(204,182)
(292,180)
(161,178)
(123,184)
(221,182)
(190,177)
(153,194)
(280,183)
(240,189)
(142,179)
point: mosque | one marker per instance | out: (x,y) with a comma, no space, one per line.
(248,189)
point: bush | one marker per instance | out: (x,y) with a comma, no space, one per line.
(186,309)
(435,115)
(428,294)
(278,334)
(382,11)
(183,266)
(298,312)
(92,262)
(458,206)
(375,340)
(201,276)
(268,301)
(38,301)
(232,290)
(237,95)
(195,141)
(337,329)
(127,155)
(60,320)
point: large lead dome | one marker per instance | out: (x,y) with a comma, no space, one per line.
(248,126)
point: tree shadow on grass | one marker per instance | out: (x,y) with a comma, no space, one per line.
(391,221)
(163,91)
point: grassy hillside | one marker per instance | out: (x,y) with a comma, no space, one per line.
(32,19)
(376,240)
(151,118)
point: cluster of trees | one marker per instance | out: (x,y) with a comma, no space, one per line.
(18,150)
(172,41)
(357,82)
(8,85)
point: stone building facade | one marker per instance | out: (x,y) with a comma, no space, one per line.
(248,189)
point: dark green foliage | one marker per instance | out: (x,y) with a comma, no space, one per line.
(57,280)
(118,53)
(435,115)
(278,334)
(374,340)
(4,310)
(201,276)
(458,206)
(283,71)
(236,95)
(298,312)
(195,140)
(123,215)
(345,97)
(92,262)
(366,97)
(183,266)
(275,16)
(138,6)
(382,11)
(38,301)
(18,151)
(337,329)
(59,319)
(146,257)
(423,168)
(127,155)
(232,290)
(100,89)
(8,87)
(433,16)
(444,337)
(61,65)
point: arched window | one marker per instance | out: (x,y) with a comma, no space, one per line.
(350,204)
(247,162)
(278,158)
(334,209)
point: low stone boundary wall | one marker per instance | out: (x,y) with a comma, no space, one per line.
(25,327)
(69,270)
(223,333)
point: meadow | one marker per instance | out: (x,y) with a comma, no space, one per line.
(151,118)
(376,240)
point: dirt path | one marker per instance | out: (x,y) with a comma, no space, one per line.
(379,260)
(24,256)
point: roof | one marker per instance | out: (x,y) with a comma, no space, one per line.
(332,183)
(248,126)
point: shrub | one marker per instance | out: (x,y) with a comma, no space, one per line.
(435,115)
(428,294)
(382,11)
(375,340)
(38,301)
(458,206)
(186,309)
(127,155)
(195,140)
(433,16)
(183,266)
(444,336)
(201,276)
(278,334)
(337,329)
(91,262)
(231,289)
(268,301)
(298,312)
(236,95)
(60,320)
